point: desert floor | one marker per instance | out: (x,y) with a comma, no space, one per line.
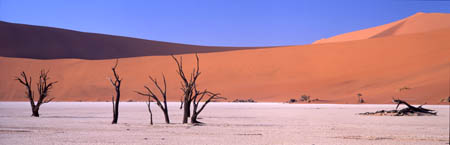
(226,123)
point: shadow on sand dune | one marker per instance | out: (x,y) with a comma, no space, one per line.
(19,40)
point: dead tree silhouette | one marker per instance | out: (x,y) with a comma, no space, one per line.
(197,97)
(360,99)
(116,83)
(151,95)
(187,86)
(190,92)
(149,100)
(43,87)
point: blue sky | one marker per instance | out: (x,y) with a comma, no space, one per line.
(217,22)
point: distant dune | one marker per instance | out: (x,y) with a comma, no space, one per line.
(27,41)
(417,23)
(335,72)
(331,72)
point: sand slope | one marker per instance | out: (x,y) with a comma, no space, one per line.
(417,23)
(27,41)
(334,72)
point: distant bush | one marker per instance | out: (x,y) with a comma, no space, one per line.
(361,100)
(292,100)
(243,100)
(446,100)
(305,98)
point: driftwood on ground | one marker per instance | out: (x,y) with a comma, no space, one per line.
(409,111)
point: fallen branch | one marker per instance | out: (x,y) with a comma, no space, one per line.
(409,111)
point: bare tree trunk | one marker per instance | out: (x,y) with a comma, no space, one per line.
(166,116)
(194,118)
(116,108)
(116,83)
(194,111)
(150,110)
(35,111)
(151,118)
(186,111)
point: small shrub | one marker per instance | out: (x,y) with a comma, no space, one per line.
(305,98)
(292,100)
(360,99)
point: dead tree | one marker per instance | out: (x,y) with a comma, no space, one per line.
(115,101)
(187,86)
(43,87)
(360,99)
(197,97)
(411,109)
(151,94)
(190,93)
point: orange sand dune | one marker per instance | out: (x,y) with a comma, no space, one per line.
(334,72)
(417,23)
(26,41)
